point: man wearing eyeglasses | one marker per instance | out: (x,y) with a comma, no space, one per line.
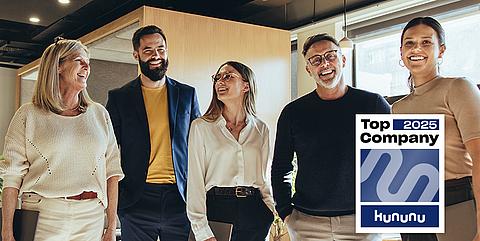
(320,129)
(151,116)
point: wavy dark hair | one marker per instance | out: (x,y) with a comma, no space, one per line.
(216,106)
(429,21)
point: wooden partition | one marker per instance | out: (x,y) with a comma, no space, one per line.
(198,45)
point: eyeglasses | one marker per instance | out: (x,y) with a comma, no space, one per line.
(329,56)
(225,77)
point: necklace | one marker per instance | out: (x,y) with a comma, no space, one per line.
(231,126)
(436,76)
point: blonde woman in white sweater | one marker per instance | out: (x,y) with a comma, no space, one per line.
(61,154)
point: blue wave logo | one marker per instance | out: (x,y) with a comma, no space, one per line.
(392,175)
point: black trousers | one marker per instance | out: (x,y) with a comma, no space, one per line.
(160,213)
(456,191)
(250,217)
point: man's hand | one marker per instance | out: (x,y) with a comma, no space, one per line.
(211,239)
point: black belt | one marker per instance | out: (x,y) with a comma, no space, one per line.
(458,190)
(238,192)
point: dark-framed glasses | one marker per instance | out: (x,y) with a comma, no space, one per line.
(225,77)
(329,56)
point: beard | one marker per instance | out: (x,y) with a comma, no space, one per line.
(155,74)
(327,83)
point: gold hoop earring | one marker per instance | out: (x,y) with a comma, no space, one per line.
(400,62)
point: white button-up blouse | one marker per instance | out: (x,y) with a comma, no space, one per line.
(216,158)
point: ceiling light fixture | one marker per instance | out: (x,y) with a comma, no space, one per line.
(345,42)
(34,19)
(64,1)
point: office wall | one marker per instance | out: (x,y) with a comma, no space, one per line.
(198,45)
(7,101)
(107,75)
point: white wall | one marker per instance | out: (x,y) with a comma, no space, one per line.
(7,101)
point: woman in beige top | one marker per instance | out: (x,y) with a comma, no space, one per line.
(61,155)
(422,49)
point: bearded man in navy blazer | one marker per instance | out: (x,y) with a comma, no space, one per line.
(151,117)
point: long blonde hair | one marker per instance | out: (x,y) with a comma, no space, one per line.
(216,106)
(46,94)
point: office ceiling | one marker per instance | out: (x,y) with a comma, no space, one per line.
(22,41)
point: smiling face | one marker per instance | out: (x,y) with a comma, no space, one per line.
(421,50)
(74,71)
(229,84)
(325,64)
(152,56)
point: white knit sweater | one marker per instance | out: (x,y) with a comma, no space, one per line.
(60,156)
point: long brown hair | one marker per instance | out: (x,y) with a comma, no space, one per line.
(216,106)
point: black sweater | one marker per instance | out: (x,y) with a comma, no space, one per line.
(322,134)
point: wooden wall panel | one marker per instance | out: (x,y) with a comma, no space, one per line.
(197,46)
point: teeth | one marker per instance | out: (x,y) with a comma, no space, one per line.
(326,72)
(416,58)
(155,62)
(222,89)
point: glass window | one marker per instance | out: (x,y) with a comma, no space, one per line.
(462,56)
(377,58)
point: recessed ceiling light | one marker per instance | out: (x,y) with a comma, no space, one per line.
(34,19)
(64,1)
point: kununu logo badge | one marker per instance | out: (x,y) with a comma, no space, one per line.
(399,167)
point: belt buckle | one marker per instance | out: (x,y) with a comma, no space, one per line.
(240,192)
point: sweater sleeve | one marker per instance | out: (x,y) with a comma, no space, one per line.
(15,165)
(112,155)
(282,167)
(196,193)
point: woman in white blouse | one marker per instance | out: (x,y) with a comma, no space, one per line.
(228,155)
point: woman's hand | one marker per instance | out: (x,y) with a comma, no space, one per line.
(7,235)
(9,199)
(109,235)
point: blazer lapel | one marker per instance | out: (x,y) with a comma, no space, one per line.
(173,94)
(138,101)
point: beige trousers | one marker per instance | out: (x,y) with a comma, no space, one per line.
(304,227)
(62,219)
(460,222)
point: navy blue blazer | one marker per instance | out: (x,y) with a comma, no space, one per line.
(129,119)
